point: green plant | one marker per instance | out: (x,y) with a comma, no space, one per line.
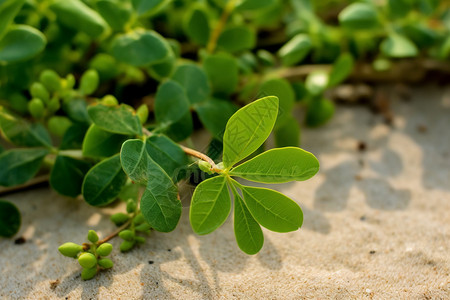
(85,104)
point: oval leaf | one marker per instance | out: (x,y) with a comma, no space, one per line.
(9,219)
(135,160)
(282,89)
(20,165)
(342,68)
(100,143)
(214,115)
(398,46)
(272,209)
(248,128)
(116,119)
(67,175)
(197,26)
(295,50)
(288,134)
(210,205)
(8,11)
(223,73)
(171,103)
(237,38)
(195,82)
(103,183)
(359,16)
(279,165)
(21,42)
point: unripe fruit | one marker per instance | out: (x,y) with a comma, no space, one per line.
(104,249)
(51,80)
(126,246)
(38,90)
(205,166)
(142,113)
(127,235)
(87,260)
(105,263)
(70,249)
(58,125)
(92,236)
(119,218)
(70,82)
(89,82)
(110,100)
(36,108)
(144,227)
(140,240)
(53,105)
(131,206)
(139,219)
(87,274)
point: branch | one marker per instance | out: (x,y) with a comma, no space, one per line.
(115,233)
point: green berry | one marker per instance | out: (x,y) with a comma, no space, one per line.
(53,105)
(126,246)
(142,113)
(131,206)
(104,249)
(36,108)
(70,249)
(140,240)
(127,235)
(110,100)
(89,273)
(204,166)
(89,82)
(87,260)
(92,236)
(70,82)
(139,219)
(144,227)
(119,218)
(105,263)
(51,80)
(38,90)
(58,125)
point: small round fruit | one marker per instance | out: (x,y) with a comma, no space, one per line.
(104,249)
(36,108)
(105,263)
(89,273)
(87,260)
(205,166)
(140,240)
(131,206)
(38,90)
(127,235)
(142,113)
(126,246)
(119,218)
(70,249)
(51,80)
(89,82)
(58,125)
(110,100)
(92,236)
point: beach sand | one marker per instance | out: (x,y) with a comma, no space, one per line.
(376,226)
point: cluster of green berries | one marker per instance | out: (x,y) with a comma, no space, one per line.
(90,256)
(138,225)
(51,91)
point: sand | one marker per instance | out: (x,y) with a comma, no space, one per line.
(377,226)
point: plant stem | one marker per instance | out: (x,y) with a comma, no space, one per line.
(115,233)
(219,27)
(35,181)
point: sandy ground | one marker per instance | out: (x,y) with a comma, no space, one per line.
(377,225)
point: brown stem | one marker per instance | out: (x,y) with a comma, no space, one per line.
(115,233)
(30,183)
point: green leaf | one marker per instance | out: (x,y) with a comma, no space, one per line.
(272,209)
(223,72)
(147,6)
(181,129)
(9,219)
(319,111)
(249,235)
(210,205)
(116,119)
(74,136)
(398,46)
(8,10)
(252,5)
(358,16)
(76,110)
(135,160)
(159,203)
(195,82)
(167,154)
(21,133)
(288,134)
(282,89)
(140,48)
(295,50)
(163,69)
(171,103)
(21,42)
(80,17)
(214,115)
(248,128)
(342,68)
(114,13)
(103,183)
(20,165)
(67,175)
(99,143)
(279,165)
(196,26)
(237,38)
(317,82)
